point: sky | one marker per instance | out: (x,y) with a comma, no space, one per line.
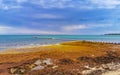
(79,17)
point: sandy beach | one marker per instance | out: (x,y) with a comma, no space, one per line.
(68,58)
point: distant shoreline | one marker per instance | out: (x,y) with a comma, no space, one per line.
(112,34)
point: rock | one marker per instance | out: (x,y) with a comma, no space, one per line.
(17,70)
(87,67)
(116,72)
(37,65)
(38,68)
(13,70)
(54,67)
(22,71)
(43,62)
(112,68)
(47,61)
(31,66)
(38,62)
(93,71)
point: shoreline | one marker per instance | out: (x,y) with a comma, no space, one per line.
(18,50)
(45,45)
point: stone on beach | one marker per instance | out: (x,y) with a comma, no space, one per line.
(13,70)
(17,70)
(38,62)
(93,71)
(117,72)
(39,67)
(47,61)
(54,67)
(20,71)
(31,66)
(105,69)
(41,64)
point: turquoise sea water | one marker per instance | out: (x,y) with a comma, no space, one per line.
(17,41)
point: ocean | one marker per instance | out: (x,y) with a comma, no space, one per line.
(18,41)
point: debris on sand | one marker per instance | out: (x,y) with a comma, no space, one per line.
(39,67)
(38,62)
(114,69)
(36,65)
(13,70)
(54,67)
(65,61)
(84,65)
(117,72)
(30,66)
(47,61)
(105,64)
(93,71)
(103,69)
(17,70)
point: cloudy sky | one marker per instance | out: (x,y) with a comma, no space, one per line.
(59,16)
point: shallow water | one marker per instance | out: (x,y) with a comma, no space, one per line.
(17,41)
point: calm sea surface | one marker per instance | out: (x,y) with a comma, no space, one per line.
(17,41)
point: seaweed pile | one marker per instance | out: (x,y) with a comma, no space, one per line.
(88,65)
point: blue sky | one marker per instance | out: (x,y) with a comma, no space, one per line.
(59,16)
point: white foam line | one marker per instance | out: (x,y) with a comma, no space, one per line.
(33,46)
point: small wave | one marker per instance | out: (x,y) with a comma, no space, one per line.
(47,38)
(44,37)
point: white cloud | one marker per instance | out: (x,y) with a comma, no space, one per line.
(53,3)
(84,4)
(4,27)
(5,7)
(10,4)
(69,28)
(106,3)
(15,30)
(102,25)
(74,27)
(47,16)
(34,31)
(77,4)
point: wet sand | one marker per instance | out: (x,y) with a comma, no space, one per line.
(69,58)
